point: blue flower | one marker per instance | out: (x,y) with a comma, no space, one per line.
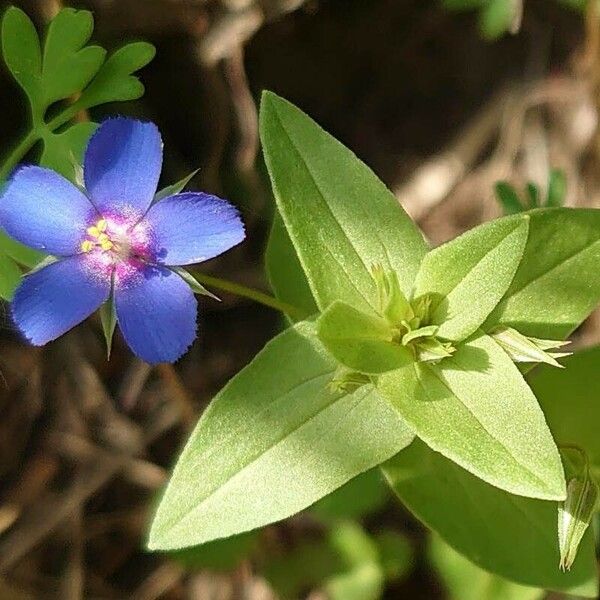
(110,238)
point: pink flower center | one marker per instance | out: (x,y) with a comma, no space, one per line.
(116,244)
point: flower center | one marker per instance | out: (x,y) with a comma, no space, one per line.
(112,239)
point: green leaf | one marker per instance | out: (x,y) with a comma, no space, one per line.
(274,441)
(361,341)
(569,399)
(175,188)
(557,188)
(284,271)
(466,581)
(476,409)
(10,276)
(67,66)
(508,198)
(556,285)
(196,286)
(471,273)
(63,152)
(508,535)
(341,219)
(108,318)
(114,81)
(18,252)
(21,51)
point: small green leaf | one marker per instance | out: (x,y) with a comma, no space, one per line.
(476,409)
(556,285)
(22,52)
(339,216)
(511,536)
(557,188)
(196,286)
(175,188)
(508,198)
(68,66)
(63,152)
(285,272)
(273,442)
(361,341)
(114,82)
(471,273)
(108,318)
(10,276)
(466,581)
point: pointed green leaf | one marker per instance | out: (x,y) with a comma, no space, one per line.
(108,318)
(21,51)
(471,273)
(284,271)
(476,409)
(175,188)
(196,286)
(274,441)
(68,66)
(115,81)
(361,341)
(511,536)
(10,276)
(557,284)
(466,581)
(341,219)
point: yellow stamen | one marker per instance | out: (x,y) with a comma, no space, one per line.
(87,245)
(101,225)
(93,231)
(102,238)
(106,245)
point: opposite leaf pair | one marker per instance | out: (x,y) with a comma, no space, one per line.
(280,435)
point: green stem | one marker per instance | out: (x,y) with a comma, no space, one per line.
(33,136)
(12,160)
(251,293)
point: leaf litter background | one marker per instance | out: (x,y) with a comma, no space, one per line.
(438,113)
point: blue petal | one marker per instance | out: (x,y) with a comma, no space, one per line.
(54,299)
(156,311)
(190,228)
(43,210)
(122,165)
